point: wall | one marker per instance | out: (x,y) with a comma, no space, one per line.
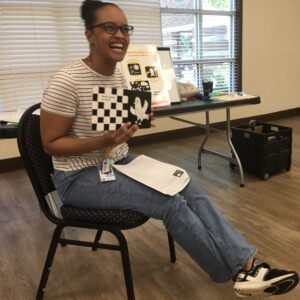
(271,64)
(8,148)
(271,49)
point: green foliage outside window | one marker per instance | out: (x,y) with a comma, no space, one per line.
(186,43)
(219,4)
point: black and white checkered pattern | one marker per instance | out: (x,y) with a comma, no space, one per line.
(109,108)
(113,107)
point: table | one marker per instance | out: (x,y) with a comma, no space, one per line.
(222,102)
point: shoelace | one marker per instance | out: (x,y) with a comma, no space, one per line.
(257,265)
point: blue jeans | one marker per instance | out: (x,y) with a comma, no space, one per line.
(190,217)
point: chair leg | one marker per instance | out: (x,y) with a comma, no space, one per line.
(171,248)
(126,264)
(97,238)
(48,262)
(62,236)
(63,244)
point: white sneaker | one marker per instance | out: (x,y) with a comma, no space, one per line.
(261,280)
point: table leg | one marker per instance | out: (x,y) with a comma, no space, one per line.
(207,131)
(234,158)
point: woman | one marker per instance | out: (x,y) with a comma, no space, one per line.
(79,153)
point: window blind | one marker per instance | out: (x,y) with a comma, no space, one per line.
(38,37)
(204,39)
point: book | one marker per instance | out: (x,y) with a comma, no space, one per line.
(142,70)
(113,107)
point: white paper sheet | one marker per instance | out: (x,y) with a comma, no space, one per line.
(12,116)
(165,178)
(231,97)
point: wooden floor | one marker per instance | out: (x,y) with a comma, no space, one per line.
(266,212)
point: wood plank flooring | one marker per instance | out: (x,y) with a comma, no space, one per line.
(266,212)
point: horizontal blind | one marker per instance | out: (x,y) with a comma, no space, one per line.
(204,39)
(38,37)
(144,15)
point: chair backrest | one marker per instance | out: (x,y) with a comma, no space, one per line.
(37,162)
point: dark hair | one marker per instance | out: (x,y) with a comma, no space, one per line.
(88,9)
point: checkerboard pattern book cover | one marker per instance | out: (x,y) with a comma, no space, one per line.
(112,107)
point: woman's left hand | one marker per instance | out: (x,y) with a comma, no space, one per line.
(152,118)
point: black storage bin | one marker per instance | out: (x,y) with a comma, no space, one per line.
(264,149)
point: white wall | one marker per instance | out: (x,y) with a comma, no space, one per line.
(271,53)
(8,148)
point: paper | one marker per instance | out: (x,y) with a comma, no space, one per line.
(165,178)
(230,97)
(12,116)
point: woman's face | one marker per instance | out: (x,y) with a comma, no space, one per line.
(107,46)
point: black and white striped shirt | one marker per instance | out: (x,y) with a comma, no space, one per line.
(69,94)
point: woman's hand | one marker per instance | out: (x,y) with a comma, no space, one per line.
(123,134)
(152,118)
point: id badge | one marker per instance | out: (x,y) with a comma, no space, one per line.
(106,171)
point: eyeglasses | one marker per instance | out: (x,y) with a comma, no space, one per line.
(112,28)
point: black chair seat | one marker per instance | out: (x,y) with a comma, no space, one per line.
(124,219)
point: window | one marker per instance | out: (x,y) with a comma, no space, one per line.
(204,37)
(38,37)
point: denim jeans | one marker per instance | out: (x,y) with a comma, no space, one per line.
(190,217)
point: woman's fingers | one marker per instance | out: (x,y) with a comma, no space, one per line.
(133,128)
(152,116)
(125,132)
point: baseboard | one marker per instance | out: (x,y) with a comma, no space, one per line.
(10,164)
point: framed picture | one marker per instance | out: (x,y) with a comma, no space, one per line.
(168,72)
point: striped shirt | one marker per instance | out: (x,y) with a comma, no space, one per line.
(69,94)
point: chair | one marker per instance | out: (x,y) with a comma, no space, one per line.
(39,168)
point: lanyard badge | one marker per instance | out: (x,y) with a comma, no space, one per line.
(106,171)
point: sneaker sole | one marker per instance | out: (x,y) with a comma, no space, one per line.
(280,286)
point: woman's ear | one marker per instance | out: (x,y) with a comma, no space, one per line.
(89,36)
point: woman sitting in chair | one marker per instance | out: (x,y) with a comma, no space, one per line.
(79,153)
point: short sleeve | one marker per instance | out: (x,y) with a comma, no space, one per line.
(60,96)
